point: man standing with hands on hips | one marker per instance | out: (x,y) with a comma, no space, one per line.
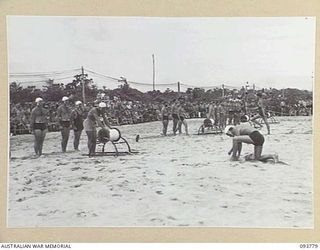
(64,118)
(38,125)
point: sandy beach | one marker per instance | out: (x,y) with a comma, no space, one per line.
(173,181)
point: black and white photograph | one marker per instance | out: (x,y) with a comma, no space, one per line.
(160,121)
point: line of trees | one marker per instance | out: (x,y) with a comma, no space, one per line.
(55,91)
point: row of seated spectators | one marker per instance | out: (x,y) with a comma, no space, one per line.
(130,112)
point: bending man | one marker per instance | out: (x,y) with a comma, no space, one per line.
(90,124)
(247,134)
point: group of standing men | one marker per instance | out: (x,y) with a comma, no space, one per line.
(178,114)
(221,114)
(69,118)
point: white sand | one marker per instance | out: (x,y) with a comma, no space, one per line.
(173,181)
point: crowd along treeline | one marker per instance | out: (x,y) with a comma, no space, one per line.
(128,105)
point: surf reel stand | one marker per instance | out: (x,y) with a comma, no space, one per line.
(208,127)
(116,140)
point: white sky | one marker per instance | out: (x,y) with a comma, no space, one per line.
(270,52)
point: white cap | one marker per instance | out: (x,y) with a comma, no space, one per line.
(227,129)
(78,102)
(102,105)
(65,98)
(39,99)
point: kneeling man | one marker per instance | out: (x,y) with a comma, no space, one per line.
(247,134)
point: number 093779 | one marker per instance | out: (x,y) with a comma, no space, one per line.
(309,246)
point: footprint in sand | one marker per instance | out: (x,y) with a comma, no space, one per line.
(42,192)
(75,168)
(85,178)
(81,214)
(21,199)
(156,219)
(76,186)
(42,214)
(28,181)
(159,192)
(116,195)
(62,163)
(171,218)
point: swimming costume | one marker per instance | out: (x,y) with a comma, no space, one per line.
(78,122)
(165,117)
(260,112)
(181,118)
(41,126)
(175,116)
(257,138)
(65,124)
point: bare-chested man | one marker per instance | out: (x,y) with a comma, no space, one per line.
(164,113)
(91,122)
(261,113)
(77,123)
(38,125)
(247,134)
(64,118)
(182,119)
(175,116)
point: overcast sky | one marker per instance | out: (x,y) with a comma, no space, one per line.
(270,52)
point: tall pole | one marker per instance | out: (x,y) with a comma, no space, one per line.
(178,87)
(154,73)
(222,90)
(83,85)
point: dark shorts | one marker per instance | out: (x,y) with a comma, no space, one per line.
(261,113)
(65,124)
(182,118)
(257,138)
(165,118)
(41,126)
(175,116)
(77,129)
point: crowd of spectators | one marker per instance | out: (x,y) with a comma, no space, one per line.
(122,112)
